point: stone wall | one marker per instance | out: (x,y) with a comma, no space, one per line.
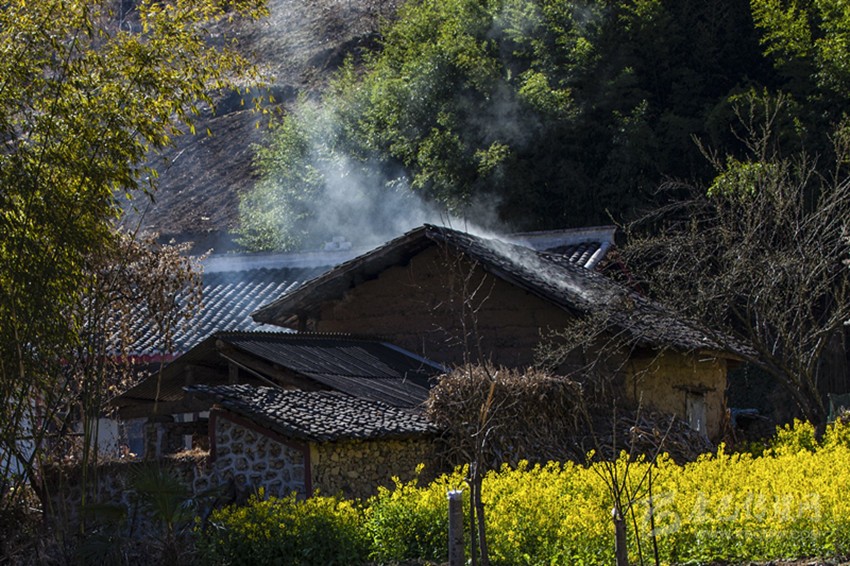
(356,468)
(243,458)
(251,457)
(111,485)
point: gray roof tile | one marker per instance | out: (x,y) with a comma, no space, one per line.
(551,276)
(318,416)
(228,299)
(366,368)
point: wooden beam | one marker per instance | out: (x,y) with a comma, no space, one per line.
(282,377)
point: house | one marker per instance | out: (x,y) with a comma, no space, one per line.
(233,286)
(447,295)
(214,390)
(280,440)
(364,368)
(236,285)
(290,412)
(303,441)
(332,399)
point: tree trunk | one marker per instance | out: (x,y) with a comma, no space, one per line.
(620,550)
(479,512)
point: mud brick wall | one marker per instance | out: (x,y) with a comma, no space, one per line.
(425,305)
(666,382)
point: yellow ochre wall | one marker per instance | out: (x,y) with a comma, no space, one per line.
(665,381)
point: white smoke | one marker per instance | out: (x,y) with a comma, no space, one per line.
(364,203)
(359,205)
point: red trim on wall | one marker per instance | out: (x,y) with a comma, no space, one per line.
(308,473)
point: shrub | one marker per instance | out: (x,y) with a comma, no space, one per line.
(789,503)
(793,438)
(318,531)
(552,514)
(411,522)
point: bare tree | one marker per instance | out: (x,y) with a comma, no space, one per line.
(467,293)
(134,287)
(493,416)
(758,256)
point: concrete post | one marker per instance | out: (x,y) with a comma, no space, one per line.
(456,550)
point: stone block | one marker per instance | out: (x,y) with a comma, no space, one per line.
(274,449)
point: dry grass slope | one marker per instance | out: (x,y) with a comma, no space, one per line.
(300,45)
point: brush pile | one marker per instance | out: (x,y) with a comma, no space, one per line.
(501,416)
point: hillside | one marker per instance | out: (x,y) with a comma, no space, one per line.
(300,44)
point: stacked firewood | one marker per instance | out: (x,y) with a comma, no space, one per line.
(497,416)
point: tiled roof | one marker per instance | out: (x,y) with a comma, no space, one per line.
(552,277)
(316,415)
(228,299)
(362,367)
(365,368)
(586,247)
(235,285)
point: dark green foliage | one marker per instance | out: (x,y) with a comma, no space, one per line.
(549,113)
(273,212)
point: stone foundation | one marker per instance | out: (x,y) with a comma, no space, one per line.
(251,458)
(243,458)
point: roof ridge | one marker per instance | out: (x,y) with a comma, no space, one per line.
(302,335)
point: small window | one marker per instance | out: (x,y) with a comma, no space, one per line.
(696,411)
